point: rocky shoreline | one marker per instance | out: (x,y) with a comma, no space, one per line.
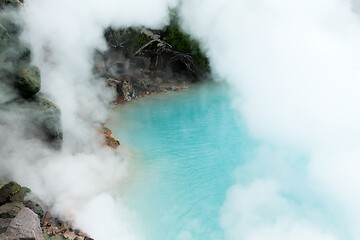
(23,215)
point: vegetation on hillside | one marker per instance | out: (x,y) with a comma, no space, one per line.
(169,40)
(183,42)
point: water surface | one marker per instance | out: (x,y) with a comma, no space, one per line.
(186,146)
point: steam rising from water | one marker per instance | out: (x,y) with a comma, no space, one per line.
(294,67)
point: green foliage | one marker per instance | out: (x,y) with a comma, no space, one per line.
(183,43)
(26,190)
(28,81)
(130,38)
(137,39)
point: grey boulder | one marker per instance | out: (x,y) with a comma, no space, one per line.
(25,225)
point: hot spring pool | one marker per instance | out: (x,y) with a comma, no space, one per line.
(186,148)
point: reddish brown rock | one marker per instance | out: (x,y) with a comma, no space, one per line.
(107,131)
(109,139)
(70,235)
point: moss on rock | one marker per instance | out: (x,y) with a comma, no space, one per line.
(11,192)
(48,120)
(41,117)
(28,81)
(26,191)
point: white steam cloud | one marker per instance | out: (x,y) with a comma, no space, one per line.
(258,212)
(295,69)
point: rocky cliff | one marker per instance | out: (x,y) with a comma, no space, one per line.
(143,61)
(22,105)
(20,85)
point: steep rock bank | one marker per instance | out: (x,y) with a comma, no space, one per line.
(143,61)
(20,85)
(26,110)
(23,106)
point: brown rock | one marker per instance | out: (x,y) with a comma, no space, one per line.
(51,231)
(111,141)
(70,235)
(10,210)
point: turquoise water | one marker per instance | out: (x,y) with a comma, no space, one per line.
(186,146)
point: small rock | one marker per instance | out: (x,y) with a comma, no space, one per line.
(70,235)
(111,141)
(10,210)
(28,81)
(51,231)
(11,192)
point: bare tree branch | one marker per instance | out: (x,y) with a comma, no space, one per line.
(164,47)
